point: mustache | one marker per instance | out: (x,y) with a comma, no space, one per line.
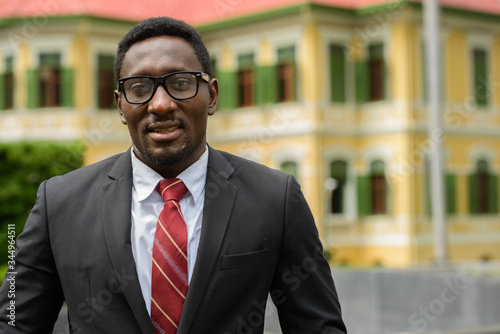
(167,118)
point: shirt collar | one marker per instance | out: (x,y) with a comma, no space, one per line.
(145,179)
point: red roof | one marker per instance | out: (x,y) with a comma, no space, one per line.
(196,12)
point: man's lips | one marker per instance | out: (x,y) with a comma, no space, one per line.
(167,130)
(164,131)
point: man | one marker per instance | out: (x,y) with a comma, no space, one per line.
(126,260)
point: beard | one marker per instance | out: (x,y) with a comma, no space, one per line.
(169,154)
(171,159)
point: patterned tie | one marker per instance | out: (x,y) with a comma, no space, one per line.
(169,282)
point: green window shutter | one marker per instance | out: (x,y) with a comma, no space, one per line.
(2,92)
(493,194)
(451,200)
(266,85)
(480,77)
(364,195)
(473,209)
(362,82)
(33,89)
(337,73)
(67,84)
(228,90)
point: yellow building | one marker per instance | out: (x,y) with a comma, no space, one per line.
(331,92)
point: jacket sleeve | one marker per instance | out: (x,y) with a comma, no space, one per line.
(31,295)
(303,289)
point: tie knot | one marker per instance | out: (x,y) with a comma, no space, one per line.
(172,189)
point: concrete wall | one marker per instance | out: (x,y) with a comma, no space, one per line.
(382,301)
(461,301)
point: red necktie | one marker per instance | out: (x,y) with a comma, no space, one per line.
(169,281)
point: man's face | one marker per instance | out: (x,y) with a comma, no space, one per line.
(168,135)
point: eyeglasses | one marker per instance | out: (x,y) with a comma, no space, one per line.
(140,89)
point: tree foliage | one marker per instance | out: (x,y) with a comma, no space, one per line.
(23,166)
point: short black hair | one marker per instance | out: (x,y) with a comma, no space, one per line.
(163,26)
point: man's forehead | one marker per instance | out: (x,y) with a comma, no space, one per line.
(168,43)
(160,51)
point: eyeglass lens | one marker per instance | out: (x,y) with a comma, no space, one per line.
(179,86)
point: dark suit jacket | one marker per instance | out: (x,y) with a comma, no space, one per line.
(258,237)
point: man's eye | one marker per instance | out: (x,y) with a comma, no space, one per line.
(138,88)
(181,84)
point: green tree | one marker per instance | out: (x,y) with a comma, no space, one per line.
(23,166)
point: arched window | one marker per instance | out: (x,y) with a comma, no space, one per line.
(246,80)
(106,81)
(378,187)
(483,189)
(7,84)
(372,190)
(376,72)
(482,185)
(338,175)
(286,74)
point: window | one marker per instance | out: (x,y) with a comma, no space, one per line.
(338,173)
(7,85)
(376,72)
(246,80)
(286,74)
(370,75)
(378,187)
(482,186)
(451,193)
(372,190)
(106,81)
(50,85)
(481,87)
(290,167)
(483,190)
(49,80)
(276,82)
(337,73)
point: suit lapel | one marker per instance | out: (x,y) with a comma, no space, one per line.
(219,199)
(116,204)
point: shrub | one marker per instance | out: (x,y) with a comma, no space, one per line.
(23,166)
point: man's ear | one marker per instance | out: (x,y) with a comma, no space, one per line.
(118,101)
(213,89)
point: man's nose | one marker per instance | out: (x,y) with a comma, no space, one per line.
(161,102)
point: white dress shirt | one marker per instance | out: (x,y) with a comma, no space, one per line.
(146,207)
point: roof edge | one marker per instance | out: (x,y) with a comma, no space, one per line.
(368,10)
(266,15)
(470,13)
(31,20)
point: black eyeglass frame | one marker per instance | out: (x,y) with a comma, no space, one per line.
(160,80)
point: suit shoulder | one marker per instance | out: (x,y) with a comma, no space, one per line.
(87,174)
(251,170)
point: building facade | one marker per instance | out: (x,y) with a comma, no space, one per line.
(331,93)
